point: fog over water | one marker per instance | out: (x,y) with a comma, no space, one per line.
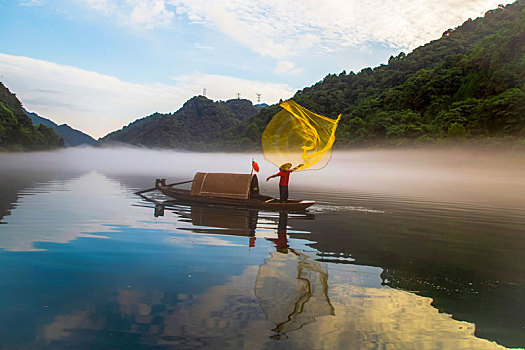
(480,177)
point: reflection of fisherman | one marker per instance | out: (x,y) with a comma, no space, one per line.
(284,173)
(281,242)
(159,210)
(253,217)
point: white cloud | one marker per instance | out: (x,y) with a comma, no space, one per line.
(203,47)
(101,5)
(287,67)
(220,87)
(30,2)
(280,28)
(141,13)
(151,13)
(97,103)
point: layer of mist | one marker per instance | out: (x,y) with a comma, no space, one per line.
(489,178)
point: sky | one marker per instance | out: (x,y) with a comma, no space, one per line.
(98,65)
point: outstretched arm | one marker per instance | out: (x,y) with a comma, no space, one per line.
(297,167)
(271,176)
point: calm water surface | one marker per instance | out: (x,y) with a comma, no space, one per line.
(404,250)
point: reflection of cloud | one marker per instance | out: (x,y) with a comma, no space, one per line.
(63,325)
(291,289)
(228,316)
(189,241)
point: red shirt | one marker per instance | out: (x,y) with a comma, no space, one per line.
(285,177)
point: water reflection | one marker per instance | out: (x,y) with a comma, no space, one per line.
(73,211)
(470,263)
(182,276)
(291,287)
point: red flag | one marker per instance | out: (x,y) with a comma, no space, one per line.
(255,166)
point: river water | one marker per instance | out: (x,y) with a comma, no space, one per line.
(403,250)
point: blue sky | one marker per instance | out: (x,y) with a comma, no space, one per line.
(99,64)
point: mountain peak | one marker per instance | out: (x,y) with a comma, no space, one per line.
(198,123)
(71,136)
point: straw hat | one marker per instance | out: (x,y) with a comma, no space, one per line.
(285,166)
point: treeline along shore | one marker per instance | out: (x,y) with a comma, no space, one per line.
(468,85)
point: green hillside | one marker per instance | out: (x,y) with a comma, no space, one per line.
(72,137)
(198,125)
(17,132)
(469,84)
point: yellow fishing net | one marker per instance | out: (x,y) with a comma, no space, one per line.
(296,135)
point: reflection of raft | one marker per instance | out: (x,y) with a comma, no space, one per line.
(240,190)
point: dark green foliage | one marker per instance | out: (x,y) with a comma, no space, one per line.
(200,125)
(17,132)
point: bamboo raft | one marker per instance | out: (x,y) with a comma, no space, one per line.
(238,190)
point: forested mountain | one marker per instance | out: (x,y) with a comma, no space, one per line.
(72,137)
(17,132)
(469,84)
(198,125)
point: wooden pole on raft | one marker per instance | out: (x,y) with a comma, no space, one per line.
(169,185)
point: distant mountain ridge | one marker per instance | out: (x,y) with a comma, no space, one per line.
(198,125)
(72,137)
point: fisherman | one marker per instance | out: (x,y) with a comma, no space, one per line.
(284,173)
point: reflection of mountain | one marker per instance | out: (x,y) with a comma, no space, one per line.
(13,183)
(469,267)
(62,208)
(292,290)
(10,192)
